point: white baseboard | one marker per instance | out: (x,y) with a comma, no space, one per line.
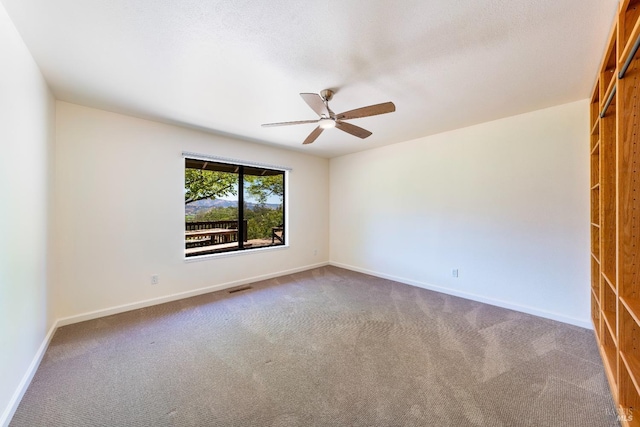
(181,295)
(584,323)
(26,379)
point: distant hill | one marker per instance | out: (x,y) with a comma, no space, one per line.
(205,205)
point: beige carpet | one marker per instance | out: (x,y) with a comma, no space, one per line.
(326,347)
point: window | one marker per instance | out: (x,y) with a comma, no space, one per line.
(232,207)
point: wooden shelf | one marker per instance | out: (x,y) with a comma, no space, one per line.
(608,282)
(632,365)
(609,67)
(633,307)
(595,283)
(595,313)
(595,167)
(610,374)
(629,28)
(607,107)
(628,398)
(595,106)
(595,243)
(609,307)
(610,359)
(610,321)
(629,364)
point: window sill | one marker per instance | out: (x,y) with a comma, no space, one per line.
(233,253)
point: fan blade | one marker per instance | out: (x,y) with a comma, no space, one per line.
(371,110)
(352,129)
(313,135)
(316,103)
(267,125)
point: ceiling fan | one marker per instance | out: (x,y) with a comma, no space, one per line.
(328,119)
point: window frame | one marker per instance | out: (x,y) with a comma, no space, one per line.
(240,165)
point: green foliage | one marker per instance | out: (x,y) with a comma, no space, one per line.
(218,214)
(202,184)
(260,219)
(261,187)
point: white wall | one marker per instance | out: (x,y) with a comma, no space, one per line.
(505,202)
(27,119)
(120,211)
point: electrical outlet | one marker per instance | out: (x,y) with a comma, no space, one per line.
(315,252)
(155,279)
(454,272)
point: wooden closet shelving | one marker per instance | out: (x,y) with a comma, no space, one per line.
(615,211)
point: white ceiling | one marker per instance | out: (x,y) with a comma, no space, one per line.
(228,66)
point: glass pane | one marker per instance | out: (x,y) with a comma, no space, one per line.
(264,207)
(211,207)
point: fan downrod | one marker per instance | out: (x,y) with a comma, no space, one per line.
(327,94)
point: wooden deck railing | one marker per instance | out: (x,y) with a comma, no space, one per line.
(214,239)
